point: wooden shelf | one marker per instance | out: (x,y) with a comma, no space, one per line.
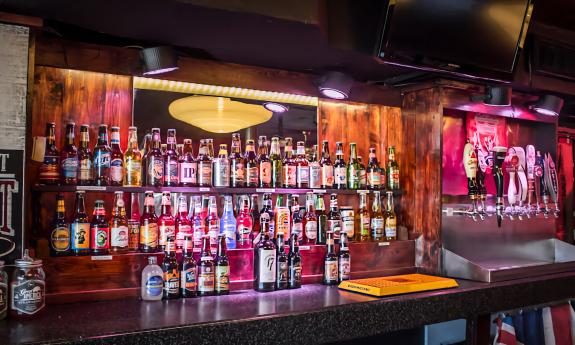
(199,190)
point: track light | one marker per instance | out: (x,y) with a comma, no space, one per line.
(497,96)
(275,107)
(159,60)
(336,85)
(548,105)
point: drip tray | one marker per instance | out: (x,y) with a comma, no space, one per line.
(499,269)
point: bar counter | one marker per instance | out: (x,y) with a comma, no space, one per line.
(313,314)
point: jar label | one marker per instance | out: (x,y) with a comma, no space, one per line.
(60,239)
(28,296)
(119,236)
(154,286)
(222,278)
(80,235)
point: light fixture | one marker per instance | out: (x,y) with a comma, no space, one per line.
(548,105)
(495,96)
(336,85)
(158,60)
(275,107)
(218,114)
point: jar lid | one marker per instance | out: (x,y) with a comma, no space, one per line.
(27,261)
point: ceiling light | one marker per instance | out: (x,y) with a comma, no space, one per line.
(275,107)
(336,85)
(159,60)
(218,114)
(548,105)
(497,96)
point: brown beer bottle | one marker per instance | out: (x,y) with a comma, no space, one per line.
(69,158)
(149,225)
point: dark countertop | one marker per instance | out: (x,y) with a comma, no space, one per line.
(312,314)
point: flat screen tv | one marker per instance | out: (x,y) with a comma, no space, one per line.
(458,35)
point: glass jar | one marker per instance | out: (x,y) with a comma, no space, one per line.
(28,287)
(3,291)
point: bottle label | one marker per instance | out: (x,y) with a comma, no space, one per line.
(340,177)
(266,172)
(189,282)
(347,222)
(134,234)
(244,233)
(314,176)
(183,230)
(133,172)
(377,227)
(221,174)
(327,175)
(297,228)
(253,175)
(267,265)
(117,170)
(70,167)
(238,172)
(302,174)
(198,229)
(295,274)
(213,231)
(353,176)
(364,223)
(154,286)
(393,174)
(206,279)
(362,177)
(3,297)
(205,169)
(101,159)
(100,238)
(230,233)
(49,170)
(282,271)
(156,168)
(166,231)
(28,297)
(172,282)
(149,235)
(187,172)
(85,170)
(374,178)
(344,268)
(290,175)
(334,225)
(330,271)
(311,229)
(222,278)
(119,236)
(282,221)
(80,233)
(60,239)
(171,171)
(391,228)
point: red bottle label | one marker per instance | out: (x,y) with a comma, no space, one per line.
(100,237)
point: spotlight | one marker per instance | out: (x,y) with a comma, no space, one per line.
(159,60)
(336,85)
(275,107)
(548,105)
(497,96)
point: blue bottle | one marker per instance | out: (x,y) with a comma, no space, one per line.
(228,223)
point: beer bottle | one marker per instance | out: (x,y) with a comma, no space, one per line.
(210,144)
(256,227)
(265,262)
(289,167)
(155,161)
(166,222)
(282,269)
(252,168)
(163,148)
(221,168)
(187,165)
(339,168)
(237,163)
(377,218)
(179,151)
(50,168)
(171,271)
(362,220)
(268,213)
(145,149)
(302,167)
(392,170)
(244,225)
(309,221)
(204,165)
(171,176)
(134,223)
(80,227)
(206,275)
(60,237)
(314,170)
(182,222)
(222,283)
(198,221)
(69,158)
(344,259)
(276,163)
(99,230)
(322,225)
(228,223)
(116,159)
(334,218)
(353,168)
(296,221)
(265,164)
(102,156)
(326,166)
(189,274)
(294,263)
(362,173)
(133,160)
(213,221)
(373,171)
(330,276)
(149,225)
(119,232)
(85,173)
(390,219)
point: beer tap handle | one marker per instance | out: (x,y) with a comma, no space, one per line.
(470,165)
(499,154)
(551,181)
(480,178)
(530,162)
(540,182)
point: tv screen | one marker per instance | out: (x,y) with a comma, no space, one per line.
(476,33)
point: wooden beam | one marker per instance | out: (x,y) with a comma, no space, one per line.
(12,18)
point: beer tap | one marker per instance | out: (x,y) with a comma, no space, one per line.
(521,182)
(512,161)
(481,189)
(551,181)
(531,197)
(470,165)
(499,153)
(540,184)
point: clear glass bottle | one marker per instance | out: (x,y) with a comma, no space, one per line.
(377,218)
(152,281)
(228,223)
(133,160)
(213,222)
(27,287)
(276,163)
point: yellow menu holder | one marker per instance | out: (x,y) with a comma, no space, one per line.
(395,285)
